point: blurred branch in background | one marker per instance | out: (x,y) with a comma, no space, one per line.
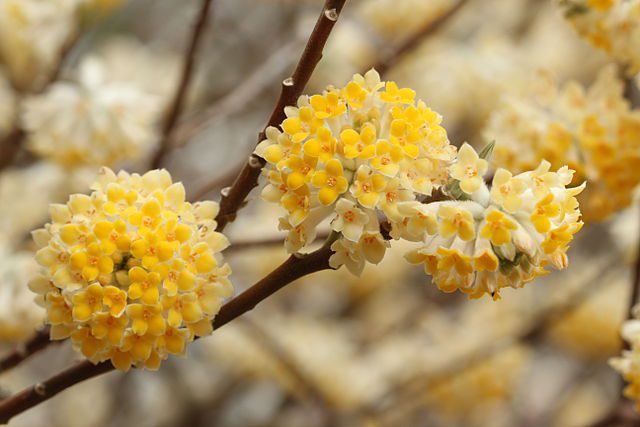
(403,394)
(414,40)
(293,368)
(182,89)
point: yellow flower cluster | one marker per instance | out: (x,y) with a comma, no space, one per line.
(493,238)
(353,153)
(593,130)
(611,25)
(628,365)
(131,273)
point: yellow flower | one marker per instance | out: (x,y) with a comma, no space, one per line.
(115,299)
(394,95)
(106,326)
(367,187)
(91,262)
(144,285)
(330,105)
(359,145)
(506,190)
(545,210)
(330,181)
(322,147)
(146,318)
(388,157)
(469,169)
(498,228)
(182,308)
(87,302)
(456,221)
(302,124)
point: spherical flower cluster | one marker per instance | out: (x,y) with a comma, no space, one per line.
(594,131)
(493,238)
(628,365)
(353,154)
(131,273)
(611,25)
(91,121)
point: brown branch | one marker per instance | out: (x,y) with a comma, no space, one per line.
(292,88)
(295,267)
(183,86)
(413,40)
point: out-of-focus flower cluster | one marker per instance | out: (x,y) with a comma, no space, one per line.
(131,273)
(611,25)
(353,153)
(98,114)
(593,130)
(499,237)
(34,32)
(91,121)
(19,316)
(628,365)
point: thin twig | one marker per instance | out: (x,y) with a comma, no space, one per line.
(185,82)
(413,40)
(233,102)
(292,88)
(291,365)
(532,333)
(295,267)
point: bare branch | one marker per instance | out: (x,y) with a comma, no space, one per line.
(295,267)
(292,88)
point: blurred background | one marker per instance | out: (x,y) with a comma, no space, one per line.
(383,349)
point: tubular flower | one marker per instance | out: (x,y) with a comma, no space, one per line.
(131,273)
(351,155)
(628,365)
(594,131)
(487,241)
(610,25)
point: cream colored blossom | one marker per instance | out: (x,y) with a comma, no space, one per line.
(611,25)
(131,273)
(480,248)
